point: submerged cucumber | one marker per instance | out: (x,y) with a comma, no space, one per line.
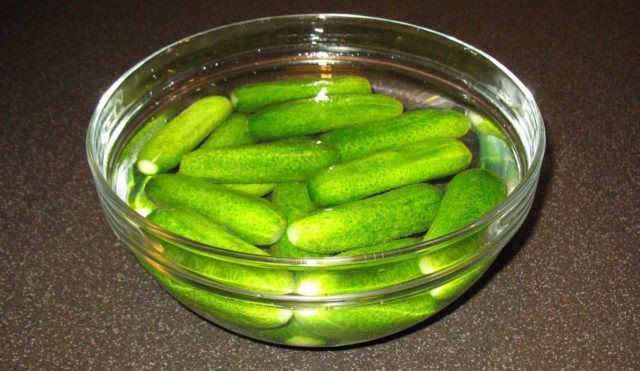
(469,195)
(280,161)
(218,307)
(310,116)
(193,225)
(411,127)
(163,151)
(380,171)
(366,322)
(232,132)
(252,97)
(397,213)
(293,200)
(251,218)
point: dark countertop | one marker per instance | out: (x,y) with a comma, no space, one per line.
(564,294)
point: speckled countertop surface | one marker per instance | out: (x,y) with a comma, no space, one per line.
(565,294)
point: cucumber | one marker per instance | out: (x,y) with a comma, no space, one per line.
(293,334)
(316,115)
(232,132)
(394,214)
(233,312)
(381,248)
(469,195)
(251,218)
(493,149)
(292,199)
(366,322)
(384,170)
(254,189)
(253,97)
(195,226)
(163,151)
(411,127)
(280,161)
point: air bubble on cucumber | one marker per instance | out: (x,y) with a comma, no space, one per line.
(254,189)
(254,219)
(397,213)
(163,151)
(320,114)
(387,169)
(411,127)
(253,97)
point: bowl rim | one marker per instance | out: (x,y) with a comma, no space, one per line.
(527,182)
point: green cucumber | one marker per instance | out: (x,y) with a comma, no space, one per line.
(163,151)
(494,153)
(384,170)
(411,127)
(255,189)
(381,248)
(394,214)
(253,97)
(235,313)
(251,218)
(469,195)
(292,198)
(365,322)
(292,334)
(232,132)
(310,116)
(280,161)
(195,226)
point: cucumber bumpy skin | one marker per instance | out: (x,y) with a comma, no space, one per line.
(251,218)
(231,132)
(384,170)
(195,226)
(411,127)
(316,115)
(253,97)
(279,161)
(469,195)
(163,151)
(394,214)
(216,307)
(292,198)
(198,228)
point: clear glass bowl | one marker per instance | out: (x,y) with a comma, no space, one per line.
(325,301)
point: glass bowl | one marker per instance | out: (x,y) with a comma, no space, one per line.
(335,300)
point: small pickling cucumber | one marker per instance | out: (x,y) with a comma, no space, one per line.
(393,214)
(364,322)
(411,127)
(231,132)
(195,226)
(387,169)
(316,115)
(279,161)
(235,313)
(381,248)
(293,334)
(252,97)
(255,189)
(292,199)
(469,195)
(163,151)
(251,218)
